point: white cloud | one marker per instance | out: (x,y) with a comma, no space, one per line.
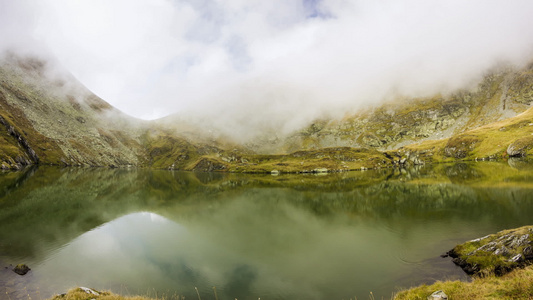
(247,64)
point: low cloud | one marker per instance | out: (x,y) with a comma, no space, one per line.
(250,65)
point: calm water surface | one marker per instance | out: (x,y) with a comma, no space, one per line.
(163,233)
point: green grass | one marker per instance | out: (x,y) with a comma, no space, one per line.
(338,159)
(167,151)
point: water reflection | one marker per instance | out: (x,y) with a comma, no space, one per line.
(274,237)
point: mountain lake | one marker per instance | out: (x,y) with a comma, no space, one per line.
(162,233)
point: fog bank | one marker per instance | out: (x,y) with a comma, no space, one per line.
(250,65)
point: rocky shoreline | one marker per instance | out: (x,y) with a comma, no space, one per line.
(496,254)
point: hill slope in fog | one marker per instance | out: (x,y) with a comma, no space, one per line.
(48,117)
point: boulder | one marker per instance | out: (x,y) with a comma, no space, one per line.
(21,269)
(520,147)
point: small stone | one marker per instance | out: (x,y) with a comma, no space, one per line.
(516,258)
(479,239)
(21,269)
(89,291)
(438,295)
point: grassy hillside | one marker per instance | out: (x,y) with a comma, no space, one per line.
(512,137)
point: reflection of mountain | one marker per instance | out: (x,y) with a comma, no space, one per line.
(52,206)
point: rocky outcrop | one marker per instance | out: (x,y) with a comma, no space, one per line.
(496,254)
(209,165)
(21,141)
(460,147)
(520,147)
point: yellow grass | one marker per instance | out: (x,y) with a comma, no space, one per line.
(515,285)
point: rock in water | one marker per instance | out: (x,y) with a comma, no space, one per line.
(438,295)
(21,269)
(497,253)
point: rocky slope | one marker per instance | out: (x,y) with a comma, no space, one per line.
(47,117)
(503,93)
(50,118)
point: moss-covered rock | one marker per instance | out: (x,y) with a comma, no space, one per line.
(520,147)
(497,253)
(21,269)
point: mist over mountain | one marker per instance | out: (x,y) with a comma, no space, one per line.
(223,81)
(48,117)
(245,67)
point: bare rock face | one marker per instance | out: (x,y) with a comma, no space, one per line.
(496,254)
(209,165)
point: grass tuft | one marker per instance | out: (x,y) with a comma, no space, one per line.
(515,285)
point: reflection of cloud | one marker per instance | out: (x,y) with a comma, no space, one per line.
(96,244)
(245,248)
(156,218)
(133,250)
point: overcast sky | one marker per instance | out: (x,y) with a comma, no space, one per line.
(278,60)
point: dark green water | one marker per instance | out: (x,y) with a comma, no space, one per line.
(335,236)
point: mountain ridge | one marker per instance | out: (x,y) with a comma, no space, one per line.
(56,120)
